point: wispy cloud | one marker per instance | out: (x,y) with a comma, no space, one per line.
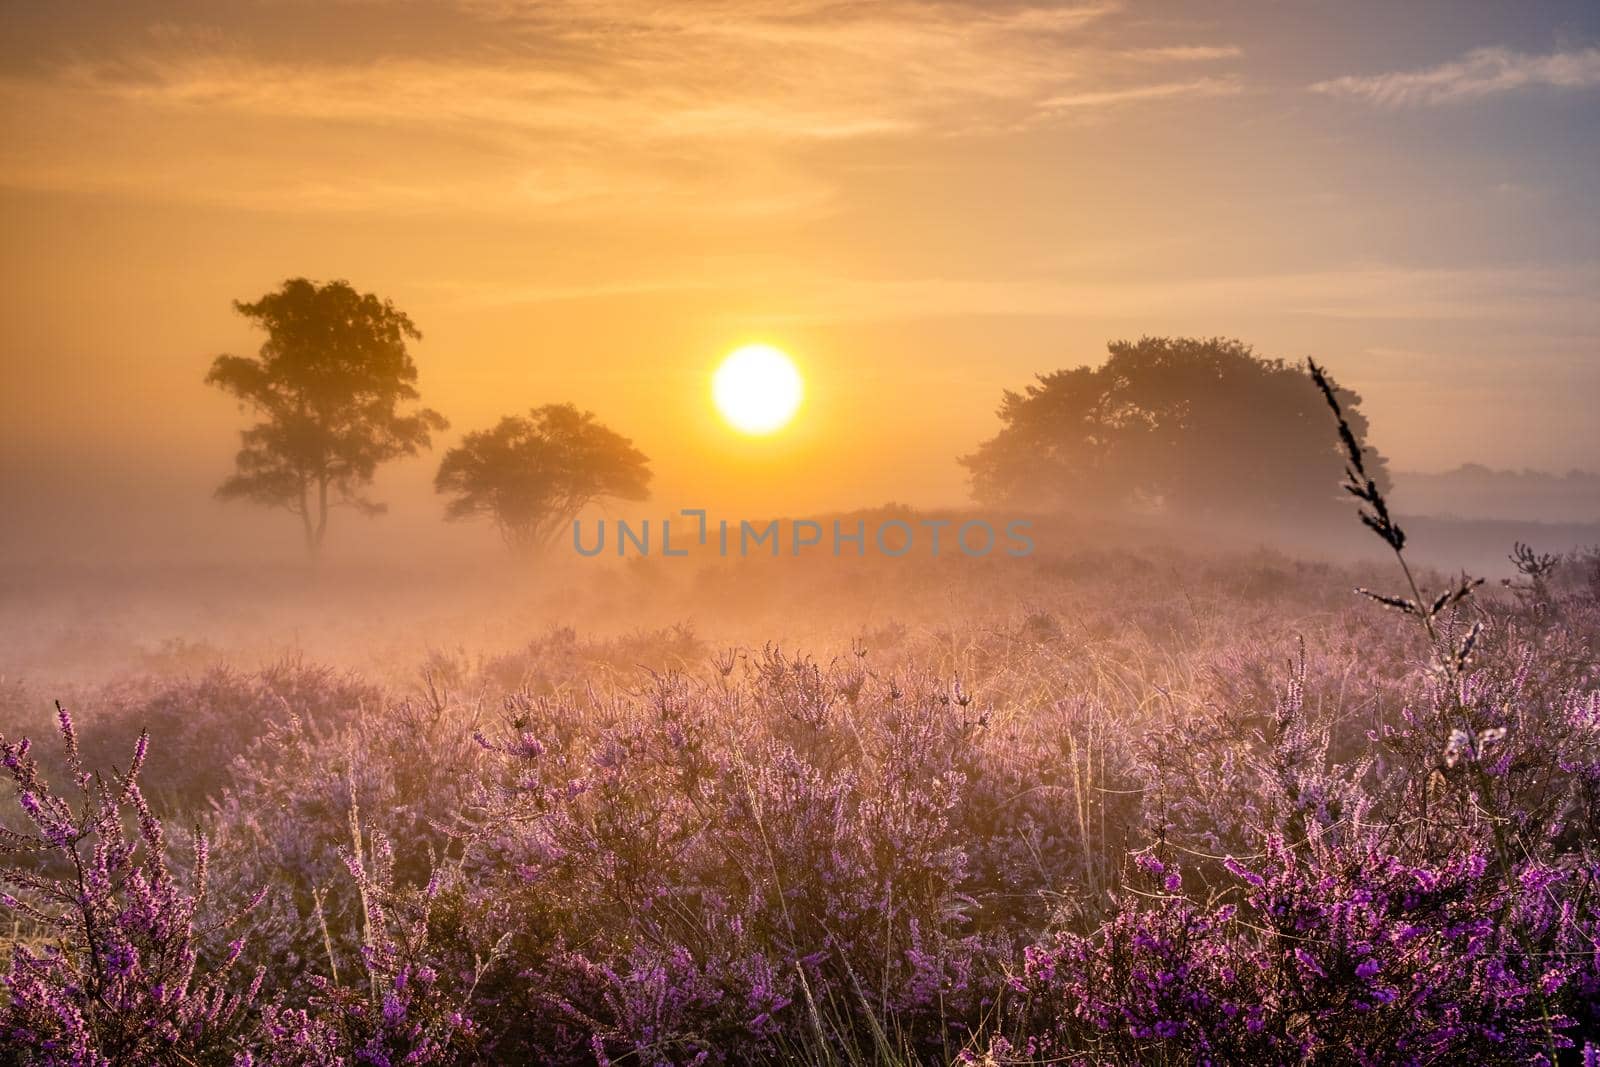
(685,71)
(665,70)
(1185,53)
(1106,98)
(570,105)
(1480,73)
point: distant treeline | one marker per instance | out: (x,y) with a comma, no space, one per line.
(1474,491)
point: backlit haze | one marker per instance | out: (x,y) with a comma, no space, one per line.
(922,204)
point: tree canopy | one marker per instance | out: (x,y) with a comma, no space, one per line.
(1183,424)
(333,384)
(532,476)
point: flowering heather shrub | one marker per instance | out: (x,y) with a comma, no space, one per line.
(115,973)
(1348,954)
(201,723)
(1164,981)
(285,821)
(559,660)
(406,1003)
(805,852)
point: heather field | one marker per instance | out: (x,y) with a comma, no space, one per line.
(1131,805)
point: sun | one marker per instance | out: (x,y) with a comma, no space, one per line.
(757,389)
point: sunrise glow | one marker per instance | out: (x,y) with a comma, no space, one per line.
(757,389)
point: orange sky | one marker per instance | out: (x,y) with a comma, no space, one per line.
(924,203)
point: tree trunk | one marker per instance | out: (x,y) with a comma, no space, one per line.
(312,541)
(322,511)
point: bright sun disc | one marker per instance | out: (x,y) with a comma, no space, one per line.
(757,389)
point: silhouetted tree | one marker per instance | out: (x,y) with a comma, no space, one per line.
(330,384)
(1187,425)
(534,475)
